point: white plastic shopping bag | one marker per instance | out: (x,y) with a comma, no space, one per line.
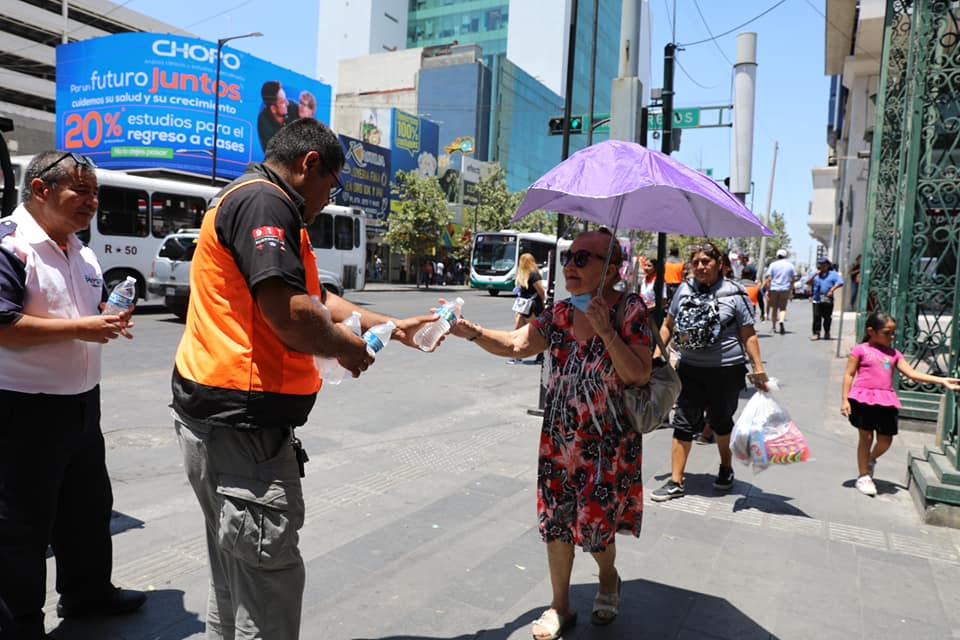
(764,434)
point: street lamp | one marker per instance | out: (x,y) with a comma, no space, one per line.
(216,102)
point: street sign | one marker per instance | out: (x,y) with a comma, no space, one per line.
(706,172)
(682,119)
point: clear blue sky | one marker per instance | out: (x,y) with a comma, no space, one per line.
(792,91)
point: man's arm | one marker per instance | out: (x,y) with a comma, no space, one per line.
(340,310)
(302,326)
(29,331)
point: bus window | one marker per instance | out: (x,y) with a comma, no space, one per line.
(343,233)
(119,214)
(172,212)
(356,233)
(540,251)
(321,232)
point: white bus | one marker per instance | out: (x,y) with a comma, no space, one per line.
(493,263)
(135,214)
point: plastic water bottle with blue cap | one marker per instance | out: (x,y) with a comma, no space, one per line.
(429,334)
(121,298)
(331,371)
(377,337)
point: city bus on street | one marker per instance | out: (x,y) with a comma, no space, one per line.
(134,215)
(339,239)
(493,262)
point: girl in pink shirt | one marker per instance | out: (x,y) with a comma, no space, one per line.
(868,396)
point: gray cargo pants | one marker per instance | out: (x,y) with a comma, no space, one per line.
(248,486)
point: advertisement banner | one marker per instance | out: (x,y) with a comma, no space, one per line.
(366,181)
(414,141)
(137,100)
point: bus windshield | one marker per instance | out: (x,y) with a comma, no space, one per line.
(494,254)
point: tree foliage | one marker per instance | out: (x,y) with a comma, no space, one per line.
(416,225)
(498,205)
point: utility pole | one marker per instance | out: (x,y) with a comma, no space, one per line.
(762,258)
(666,146)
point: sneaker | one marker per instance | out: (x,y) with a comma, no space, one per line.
(826,336)
(724,479)
(702,439)
(781,329)
(866,486)
(515,361)
(871,467)
(668,491)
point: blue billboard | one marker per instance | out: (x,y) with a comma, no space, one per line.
(138,100)
(366,181)
(414,141)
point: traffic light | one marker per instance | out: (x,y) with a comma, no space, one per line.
(555,125)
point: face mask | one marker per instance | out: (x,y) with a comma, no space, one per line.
(581,301)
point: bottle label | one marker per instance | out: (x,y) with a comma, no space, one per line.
(447,314)
(373,341)
(119,300)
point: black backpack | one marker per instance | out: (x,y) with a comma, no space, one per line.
(697,324)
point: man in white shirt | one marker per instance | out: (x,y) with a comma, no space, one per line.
(779,281)
(54,487)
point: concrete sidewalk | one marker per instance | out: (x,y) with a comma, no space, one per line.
(423,526)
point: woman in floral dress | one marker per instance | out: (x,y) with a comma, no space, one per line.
(589,479)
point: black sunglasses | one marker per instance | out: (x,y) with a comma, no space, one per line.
(580,258)
(79,159)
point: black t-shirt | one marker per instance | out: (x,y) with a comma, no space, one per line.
(261,226)
(530,291)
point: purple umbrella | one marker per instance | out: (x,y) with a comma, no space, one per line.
(624,185)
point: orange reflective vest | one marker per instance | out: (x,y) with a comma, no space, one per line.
(231,368)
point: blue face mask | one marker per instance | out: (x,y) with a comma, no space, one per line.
(581,301)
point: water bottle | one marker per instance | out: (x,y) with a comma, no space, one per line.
(331,371)
(121,298)
(377,337)
(429,334)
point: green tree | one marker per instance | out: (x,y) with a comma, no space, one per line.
(498,205)
(779,240)
(416,225)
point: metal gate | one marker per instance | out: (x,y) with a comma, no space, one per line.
(913,224)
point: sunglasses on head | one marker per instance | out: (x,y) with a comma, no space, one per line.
(705,246)
(579,258)
(79,159)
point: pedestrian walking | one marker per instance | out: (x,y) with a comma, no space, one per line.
(531,296)
(868,397)
(589,474)
(853,274)
(54,486)
(245,376)
(823,284)
(711,323)
(778,281)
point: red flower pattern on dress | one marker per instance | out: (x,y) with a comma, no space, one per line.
(589,474)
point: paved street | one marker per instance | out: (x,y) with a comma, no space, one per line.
(421,519)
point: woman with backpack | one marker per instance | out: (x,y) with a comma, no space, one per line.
(711,323)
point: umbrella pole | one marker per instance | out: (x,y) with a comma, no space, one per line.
(613,238)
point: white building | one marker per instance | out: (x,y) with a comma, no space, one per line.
(29,34)
(357,28)
(838,207)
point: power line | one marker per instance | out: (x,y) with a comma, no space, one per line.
(217,15)
(689,77)
(713,38)
(729,31)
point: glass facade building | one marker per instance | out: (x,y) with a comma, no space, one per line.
(440,22)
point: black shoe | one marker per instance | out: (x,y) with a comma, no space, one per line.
(669,491)
(724,479)
(116,601)
(781,329)
(826,336)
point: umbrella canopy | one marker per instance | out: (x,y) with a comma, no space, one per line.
(627,186)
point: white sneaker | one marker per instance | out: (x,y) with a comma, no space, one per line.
(866,486)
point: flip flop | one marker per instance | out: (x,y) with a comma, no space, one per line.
(606,606)
(554,624)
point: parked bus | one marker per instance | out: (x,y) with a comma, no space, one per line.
(134,215)
(493,263)
(339,239)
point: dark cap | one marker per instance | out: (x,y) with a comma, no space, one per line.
(269,91)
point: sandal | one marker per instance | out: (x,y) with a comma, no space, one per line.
(606,606)
(554,624)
